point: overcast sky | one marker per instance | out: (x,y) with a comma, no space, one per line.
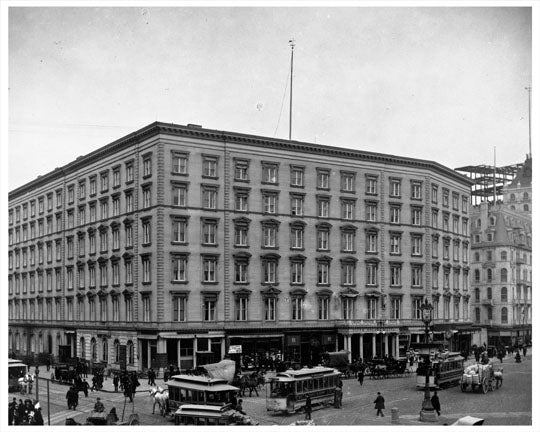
(443,84)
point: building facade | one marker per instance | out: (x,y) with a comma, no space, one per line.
(502,263)
(177,240)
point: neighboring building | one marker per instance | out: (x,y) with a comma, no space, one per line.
(502,263)
(178,240)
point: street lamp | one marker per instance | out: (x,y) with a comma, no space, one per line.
(427,414)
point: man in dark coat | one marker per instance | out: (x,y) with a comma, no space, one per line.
(436,403)
(116,381)
(361,375)
(38,418)
(379,404)
(308,408)
(11,411)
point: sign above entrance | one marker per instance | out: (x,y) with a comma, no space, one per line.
(235,349)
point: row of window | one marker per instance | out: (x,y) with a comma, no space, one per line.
(489,275)
(270,175)
(102,309)
(93,181)
(524,315)
(503,294)
(101,273)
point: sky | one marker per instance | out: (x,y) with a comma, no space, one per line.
(439,83)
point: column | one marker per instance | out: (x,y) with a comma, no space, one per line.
(361,341)
(396,345)
(374,343)
(386,344)
(194,352)
(223,348)
(348,346)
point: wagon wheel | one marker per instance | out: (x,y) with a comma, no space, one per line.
(485,386)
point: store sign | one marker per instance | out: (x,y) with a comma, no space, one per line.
(235,349)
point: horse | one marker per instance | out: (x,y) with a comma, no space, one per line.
(161,397)
(25,383)
(250,382)
(498,374)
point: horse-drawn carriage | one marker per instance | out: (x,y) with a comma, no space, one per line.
(379,368)
(481,378)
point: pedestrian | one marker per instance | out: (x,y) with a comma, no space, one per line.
(75,398)
(436,403)
(338,396)
(112,417)
(524,351)
(151,377)
(69,397)
(98,406)
(379,404)
(308,408)
(85,386)
(11,411)
(361,375)
(239,407)
(115,382)
(38,417)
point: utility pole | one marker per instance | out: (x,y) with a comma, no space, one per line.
(292,44)
(530,148)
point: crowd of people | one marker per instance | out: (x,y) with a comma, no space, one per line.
(24,413)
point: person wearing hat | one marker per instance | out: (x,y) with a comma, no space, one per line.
(38,418)
(112,417)
(11,411)
(98,406)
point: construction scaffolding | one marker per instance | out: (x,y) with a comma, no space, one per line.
(489,180)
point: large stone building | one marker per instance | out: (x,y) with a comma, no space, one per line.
(178,240)
(502,263)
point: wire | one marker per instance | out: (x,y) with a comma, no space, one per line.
(282,101)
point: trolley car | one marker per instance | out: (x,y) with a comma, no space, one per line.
(199,390)
(16,369)
(288,391)
(445,370)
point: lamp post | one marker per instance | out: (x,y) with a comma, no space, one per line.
(427,414)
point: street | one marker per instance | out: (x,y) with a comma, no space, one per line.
(509,405)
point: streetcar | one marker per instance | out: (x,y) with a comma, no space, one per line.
(445,370)
(199,390)
(16,369)
(288,390)
(210,415)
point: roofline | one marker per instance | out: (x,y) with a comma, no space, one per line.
(232,137)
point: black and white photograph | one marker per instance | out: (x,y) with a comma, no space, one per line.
(241,213)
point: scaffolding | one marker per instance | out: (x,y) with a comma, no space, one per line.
(489,181)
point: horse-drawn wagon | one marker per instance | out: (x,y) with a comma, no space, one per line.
(481,378)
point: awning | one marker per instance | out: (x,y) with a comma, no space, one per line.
(256,336)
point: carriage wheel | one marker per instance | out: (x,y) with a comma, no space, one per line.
(484,387)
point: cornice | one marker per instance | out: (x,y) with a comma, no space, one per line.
(158,128)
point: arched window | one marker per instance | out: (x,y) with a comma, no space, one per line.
(477,315)
(504,256)
(477,275)
(130,353)
(478,223)
(492,220)
(490,313)
(526,207)
(489,293)
(116,351)
(525,196)
(512,197)
(477,256)
(504,295)
(82,344)
(504,275)
(489,275)
(512,207)
(477,295)
(93,349)
(504,315)
(105,350)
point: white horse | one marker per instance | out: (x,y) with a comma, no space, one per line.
(25,383)
(498,377)
(161,397)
